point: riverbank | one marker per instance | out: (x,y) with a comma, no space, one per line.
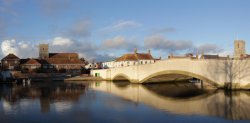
(84,78)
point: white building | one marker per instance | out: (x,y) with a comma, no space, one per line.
(109,64)
(130,59)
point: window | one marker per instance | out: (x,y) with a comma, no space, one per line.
(5,62)
(141,62)
(145,62)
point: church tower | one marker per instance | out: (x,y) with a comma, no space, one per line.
(239,48)
(43,51)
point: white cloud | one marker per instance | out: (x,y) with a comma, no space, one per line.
(21,49)
(119,43)
(62,41)
(8,46)
(121,25)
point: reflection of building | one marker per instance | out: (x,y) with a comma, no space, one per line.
(10,62)
(130,60)
(47,94)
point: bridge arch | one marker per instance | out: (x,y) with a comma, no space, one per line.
(185,73)
(121,77)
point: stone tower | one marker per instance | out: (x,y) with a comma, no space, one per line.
(239,48)
(43,51)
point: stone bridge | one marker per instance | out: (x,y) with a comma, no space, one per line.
(214,71)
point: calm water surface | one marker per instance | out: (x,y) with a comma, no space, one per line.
(120,102)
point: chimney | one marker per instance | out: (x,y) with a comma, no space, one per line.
(135,50)
(197,54)
(149,51)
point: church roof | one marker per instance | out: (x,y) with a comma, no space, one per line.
(62,61)
(63,55)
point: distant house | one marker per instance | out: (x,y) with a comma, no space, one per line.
(30,64)
(214,57)
(93,66)
(209,56)
(130,59)
(109,64)
(186,56)
(10,62)
(134,59)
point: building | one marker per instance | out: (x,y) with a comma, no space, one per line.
(59,61)
(130,59)
(93,66)
(109,64)
(43,51)
(10,62)
(186,56)
(30,65)
(239,49)
(59,64)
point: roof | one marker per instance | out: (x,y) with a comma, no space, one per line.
(63,55)
(210,56)
(135,57)
(10,56)
(30,62)
(62,61)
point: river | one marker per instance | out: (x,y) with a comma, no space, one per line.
(120,102)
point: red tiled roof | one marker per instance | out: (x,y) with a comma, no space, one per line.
(135,57)
(63,55)
(32,62)
(10,57)
(62,61)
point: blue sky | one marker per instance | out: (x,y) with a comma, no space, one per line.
(103,29)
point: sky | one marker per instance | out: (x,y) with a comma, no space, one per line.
(104,29)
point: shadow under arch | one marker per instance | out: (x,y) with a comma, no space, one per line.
(185,73)
(178,91)
(121,78)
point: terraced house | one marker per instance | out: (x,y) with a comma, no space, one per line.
(131,59)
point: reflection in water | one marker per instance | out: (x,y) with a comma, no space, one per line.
(181,98)
(79,102)
(60,94)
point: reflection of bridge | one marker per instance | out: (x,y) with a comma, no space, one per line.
(217,72)
(215,104)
